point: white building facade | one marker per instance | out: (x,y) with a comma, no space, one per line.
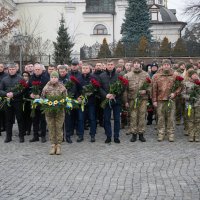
(89,21)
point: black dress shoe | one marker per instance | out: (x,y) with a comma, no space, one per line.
(68,140)
(134,138)
(8,139)
(80,139)
(108,140)
(92,139)
(141,138)
(116,140)
(21,139)
(43,139)
(34,139)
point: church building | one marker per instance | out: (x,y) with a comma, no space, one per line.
(89,21)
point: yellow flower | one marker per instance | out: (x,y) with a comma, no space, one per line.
(50,103)
(62,101)
(55,102)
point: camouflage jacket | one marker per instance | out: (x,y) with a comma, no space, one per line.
(188,87)
(136,80)
(162,84)
(57,89)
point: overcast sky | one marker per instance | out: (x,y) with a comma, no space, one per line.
(179,5)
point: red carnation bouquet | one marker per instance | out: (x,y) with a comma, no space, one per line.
(195,92)
(20,86)
(36,87)
(193,96)
(144,86)
(116,89)
(177,84)
(72,81)
(91,88)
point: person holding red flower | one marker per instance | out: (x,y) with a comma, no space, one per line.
(191,94)
(37,82)
(11,88)
(135,98)
(74,119)
(90,88)
(107,78)
(165,87)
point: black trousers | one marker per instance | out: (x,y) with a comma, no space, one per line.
(2,120)
(15,109)
(39,123)
(27,116)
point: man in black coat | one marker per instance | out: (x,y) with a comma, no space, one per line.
(15,102)
(106,78)
(97,72)
(2,112)
(39,122)
(74,119)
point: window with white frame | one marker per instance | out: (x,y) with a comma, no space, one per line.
(100,29)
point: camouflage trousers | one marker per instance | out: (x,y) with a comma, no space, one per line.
(180,109)
(193,122)
(55,126)
(137,117)
(166,117)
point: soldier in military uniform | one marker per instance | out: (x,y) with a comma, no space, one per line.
(55,120)
(179,101)
(163,100)
(136,79)
(193,120)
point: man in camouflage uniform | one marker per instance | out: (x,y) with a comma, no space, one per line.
(136,79)
(179,101)
(193,120)
(161,96)
(55,120)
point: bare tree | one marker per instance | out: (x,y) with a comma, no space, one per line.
(35,48)
(193,10)
(7,22)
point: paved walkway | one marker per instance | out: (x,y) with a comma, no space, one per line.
(99,171)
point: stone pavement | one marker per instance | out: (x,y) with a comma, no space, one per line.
(99,171)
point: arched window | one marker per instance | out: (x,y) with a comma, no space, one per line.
(100,29)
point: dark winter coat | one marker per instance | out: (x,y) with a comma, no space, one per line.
(107,78)
(7,84)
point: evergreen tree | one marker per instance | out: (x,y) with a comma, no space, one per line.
(180,48)
(63,46)
(136,23)
(104,50)
(165,48)
(143,47)
(119,50)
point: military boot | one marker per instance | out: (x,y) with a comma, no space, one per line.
(171,137)
(196,138)
(191,138)
(160,137)
(134,137)
(58,149)
(53,149)
(141,137)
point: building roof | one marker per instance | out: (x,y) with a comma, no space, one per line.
(167,15)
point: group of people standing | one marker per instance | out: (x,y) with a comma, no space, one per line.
(152,92)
